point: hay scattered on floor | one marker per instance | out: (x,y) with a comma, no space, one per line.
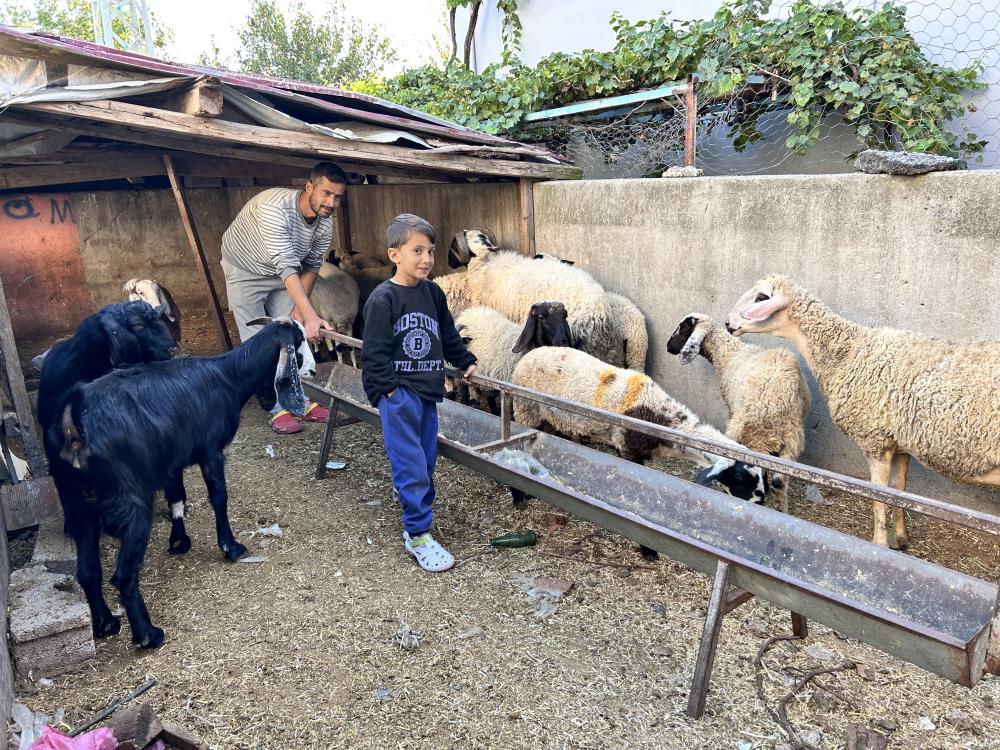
(299,651)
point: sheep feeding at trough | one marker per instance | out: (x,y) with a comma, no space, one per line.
(896,394)
(767,396)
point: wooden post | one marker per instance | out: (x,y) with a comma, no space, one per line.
(199,253)
(344,226)
(690,122)
(527,202)
(19,393)
(709,640)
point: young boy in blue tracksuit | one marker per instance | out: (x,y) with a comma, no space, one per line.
(409,334)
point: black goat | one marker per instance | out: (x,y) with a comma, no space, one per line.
(117,335)
(134,431)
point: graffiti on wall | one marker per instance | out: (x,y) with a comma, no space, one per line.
(40,263)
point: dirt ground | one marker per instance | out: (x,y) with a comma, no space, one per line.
(298,651)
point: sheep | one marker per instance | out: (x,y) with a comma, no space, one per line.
(498,343)
(629,322)
(896,394)
(334,297)
(117,335)
(767,396)
(155,294)
(577,376)
(133,431)
(510,282)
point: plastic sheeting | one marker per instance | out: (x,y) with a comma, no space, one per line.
(88,92)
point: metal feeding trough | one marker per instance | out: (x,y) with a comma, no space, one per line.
(918,611)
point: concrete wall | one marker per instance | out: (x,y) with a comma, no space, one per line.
(64,256)
(917,253)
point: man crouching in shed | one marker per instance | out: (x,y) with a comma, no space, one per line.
(271,255)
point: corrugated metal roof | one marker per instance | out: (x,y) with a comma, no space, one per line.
(347,104)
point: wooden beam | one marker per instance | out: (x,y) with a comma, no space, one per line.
(13,178)
(199,253)
(526,199)
(193,145)
(148,119)
(19,393)
(344,226)
(203,99)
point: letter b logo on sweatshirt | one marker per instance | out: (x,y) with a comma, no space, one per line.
(417,344)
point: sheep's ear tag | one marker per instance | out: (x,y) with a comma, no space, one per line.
(261,321)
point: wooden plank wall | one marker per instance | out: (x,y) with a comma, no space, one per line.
(449,208)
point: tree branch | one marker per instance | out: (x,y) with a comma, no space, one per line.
(471,32)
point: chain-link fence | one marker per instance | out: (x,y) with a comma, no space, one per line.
(645,139)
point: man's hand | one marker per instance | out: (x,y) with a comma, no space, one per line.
(298,316)
(313,326)
(469,372)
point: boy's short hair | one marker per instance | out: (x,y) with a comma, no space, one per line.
(403,226)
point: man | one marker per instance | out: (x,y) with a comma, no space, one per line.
(271,255)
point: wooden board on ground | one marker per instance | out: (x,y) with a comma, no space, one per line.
(29,503)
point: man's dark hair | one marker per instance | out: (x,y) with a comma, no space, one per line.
(403,226)
(330,171)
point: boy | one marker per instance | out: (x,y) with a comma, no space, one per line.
(408,335)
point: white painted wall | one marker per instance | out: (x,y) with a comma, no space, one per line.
(952,32)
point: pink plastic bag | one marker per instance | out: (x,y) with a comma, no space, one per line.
(99,739)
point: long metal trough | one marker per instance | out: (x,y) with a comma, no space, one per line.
(916,610)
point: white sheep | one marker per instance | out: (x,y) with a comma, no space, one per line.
(577,376)
(629,322)
(510,283)
(334,297)
(499,343)
(896,393)
(767,396)
(631,326)
(155,294)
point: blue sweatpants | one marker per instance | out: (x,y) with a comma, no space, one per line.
(409,431)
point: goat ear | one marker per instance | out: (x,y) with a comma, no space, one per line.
(466,340)
(123,347)
(261,321)
(74,451)
(168,304)
(567,262)
(287,384)
(528,333)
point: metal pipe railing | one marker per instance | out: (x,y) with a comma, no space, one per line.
(926,506)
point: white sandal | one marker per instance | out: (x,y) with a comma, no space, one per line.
(430,555)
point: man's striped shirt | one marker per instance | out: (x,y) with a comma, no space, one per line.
(270,237)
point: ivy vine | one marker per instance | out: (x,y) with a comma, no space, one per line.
(861,63)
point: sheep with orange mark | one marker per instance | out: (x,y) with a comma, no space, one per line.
(574,375)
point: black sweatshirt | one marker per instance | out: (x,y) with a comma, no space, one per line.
(409,332)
